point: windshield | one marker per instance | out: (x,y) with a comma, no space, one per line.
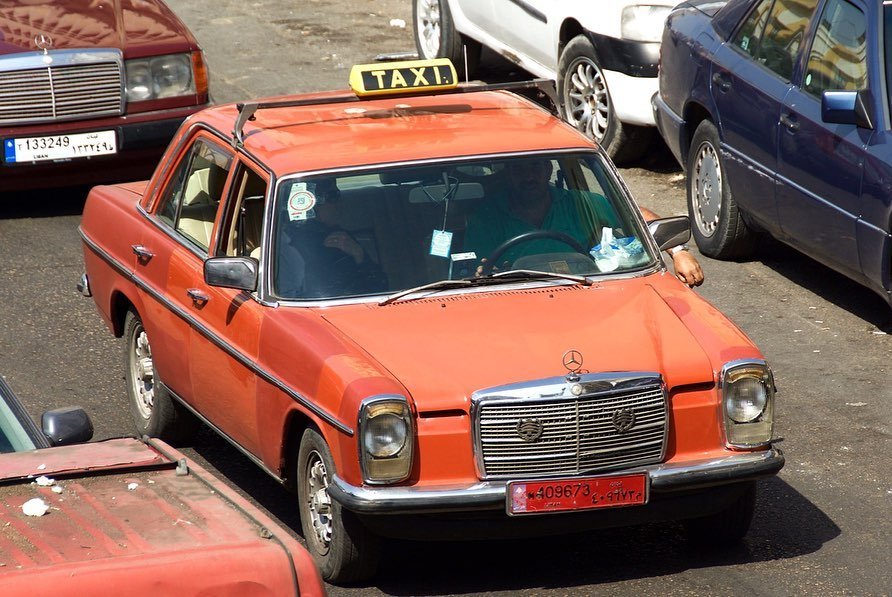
(354,234)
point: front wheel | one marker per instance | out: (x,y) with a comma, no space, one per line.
(586,103)
(343,549)
(719,229)
(155,412)
(436,36)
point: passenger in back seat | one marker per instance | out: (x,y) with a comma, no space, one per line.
(318,259)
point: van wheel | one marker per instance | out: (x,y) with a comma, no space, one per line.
(586,104)
(719,229)
(343,549)
(436,37)
(728,526)
(155,413)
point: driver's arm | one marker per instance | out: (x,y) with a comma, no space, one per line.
(687,268)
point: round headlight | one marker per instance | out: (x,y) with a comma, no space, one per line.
(746,399)
(385,435)
(172,75)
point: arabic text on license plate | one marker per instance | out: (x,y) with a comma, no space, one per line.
(559,495)
(59,147)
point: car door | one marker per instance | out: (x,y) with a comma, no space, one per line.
(224,342)
(750,78)
(523,26)
(820,164)
(170,255)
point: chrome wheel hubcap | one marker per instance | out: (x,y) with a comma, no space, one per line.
(142,370)
(428,27)
(707,191)
(318,500)
(586,100)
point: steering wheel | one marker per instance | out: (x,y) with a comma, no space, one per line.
(527,237)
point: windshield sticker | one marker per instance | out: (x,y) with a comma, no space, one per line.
(300,202)
(441,243)
(464,256)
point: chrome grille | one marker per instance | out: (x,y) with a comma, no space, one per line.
(72,86)
(578,433)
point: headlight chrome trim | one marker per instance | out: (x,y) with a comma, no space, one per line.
(400,463)
(756,432)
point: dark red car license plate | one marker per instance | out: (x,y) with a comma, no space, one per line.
(562,495)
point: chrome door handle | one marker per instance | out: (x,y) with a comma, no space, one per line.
(721,81)
(142,253)
(197,295)
(791,123)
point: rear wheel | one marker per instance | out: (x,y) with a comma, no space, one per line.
(436,36)
(343,549)
(586,103)
(728,526)
(155,413)
(719,229)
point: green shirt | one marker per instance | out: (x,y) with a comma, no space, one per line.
(577,214)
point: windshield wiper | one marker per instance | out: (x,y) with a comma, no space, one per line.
(529,274)
(515,274)
(438,285)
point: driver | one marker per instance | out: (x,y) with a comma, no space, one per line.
(533,203)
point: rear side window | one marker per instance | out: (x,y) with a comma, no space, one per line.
(189,203)
(773,33)
(838,57)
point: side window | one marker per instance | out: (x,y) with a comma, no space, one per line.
(747,38)
(784,34)
(189,203)
(838,57)
(244,215)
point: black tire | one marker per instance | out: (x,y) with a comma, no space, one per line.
(436,37)
(728,526)
(343,549)
(586,104)
(155,413)
(717,224)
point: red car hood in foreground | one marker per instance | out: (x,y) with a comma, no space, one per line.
(143,526)
(443,348)
(88,23)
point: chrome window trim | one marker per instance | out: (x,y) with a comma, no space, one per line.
(557,388)
(243,359)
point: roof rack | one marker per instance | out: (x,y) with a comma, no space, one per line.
(246,110)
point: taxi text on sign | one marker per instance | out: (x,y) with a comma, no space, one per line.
(403,77)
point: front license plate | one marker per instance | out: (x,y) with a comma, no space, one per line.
(562,495)
(60,147)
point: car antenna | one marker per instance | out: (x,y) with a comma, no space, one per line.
(464,52)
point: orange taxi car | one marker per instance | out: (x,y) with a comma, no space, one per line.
(435,311)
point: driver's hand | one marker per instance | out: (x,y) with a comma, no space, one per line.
(687,268)
(495,269)
(344,242)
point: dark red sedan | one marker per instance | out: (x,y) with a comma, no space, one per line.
(92,90)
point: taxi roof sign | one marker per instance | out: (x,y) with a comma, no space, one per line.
(404,77)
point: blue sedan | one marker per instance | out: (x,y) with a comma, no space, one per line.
(779,112)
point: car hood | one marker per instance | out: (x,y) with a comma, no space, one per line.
(143,523)
(140,26)
(444,348)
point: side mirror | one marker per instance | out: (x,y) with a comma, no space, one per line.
(848,107)
(66,426)
(231,272)
(670,232)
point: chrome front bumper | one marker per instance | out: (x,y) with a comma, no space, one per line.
(490,495)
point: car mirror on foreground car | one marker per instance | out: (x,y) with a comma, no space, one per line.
(847,107)
(231,272)
(670,232)
(67,426)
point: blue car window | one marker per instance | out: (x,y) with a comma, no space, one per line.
(784,34)
(747,38)
(838,57)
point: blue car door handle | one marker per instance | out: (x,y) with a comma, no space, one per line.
(721,81)
(789,122)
